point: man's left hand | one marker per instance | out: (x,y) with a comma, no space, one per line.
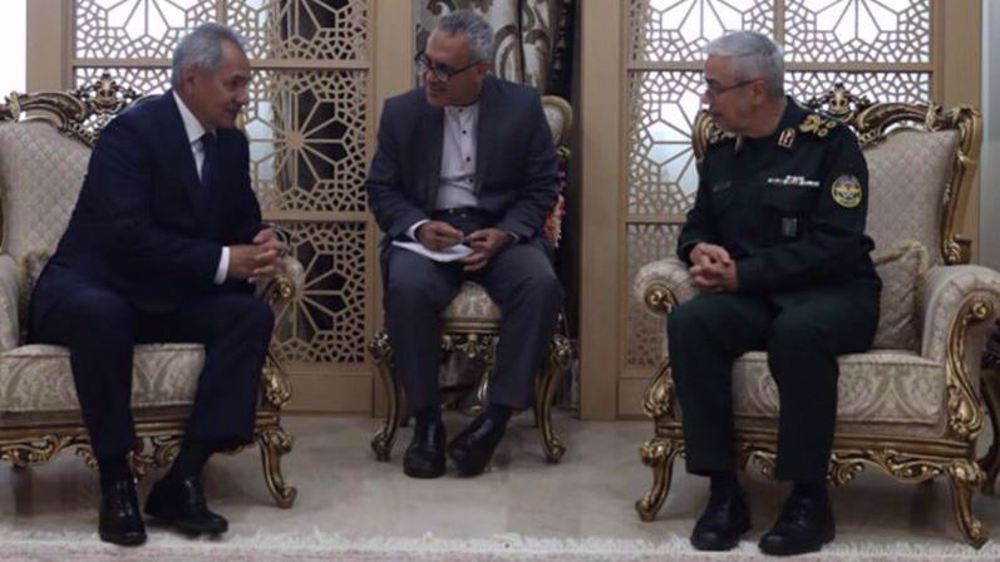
(716,277)
(485,244)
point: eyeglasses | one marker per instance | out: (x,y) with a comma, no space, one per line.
(714,90)
(440,72)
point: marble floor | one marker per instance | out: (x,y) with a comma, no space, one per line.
(344,495)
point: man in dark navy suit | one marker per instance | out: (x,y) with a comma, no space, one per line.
(164,238)
(467,158)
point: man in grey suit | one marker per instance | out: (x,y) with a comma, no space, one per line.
(467,158)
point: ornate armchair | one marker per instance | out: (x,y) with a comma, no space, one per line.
(911,406)
(45,143)
(472,326)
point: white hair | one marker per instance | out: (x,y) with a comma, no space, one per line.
(752,55)
(202,48)
(479,32)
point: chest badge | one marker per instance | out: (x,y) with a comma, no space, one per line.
(787,138)
(846,191)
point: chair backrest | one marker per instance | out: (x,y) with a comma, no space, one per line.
(45,144)
(921,162)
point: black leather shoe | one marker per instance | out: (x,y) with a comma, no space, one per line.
(725,518)
(805,525)
(120,522)
(472,449)
(425,456)
(182,504)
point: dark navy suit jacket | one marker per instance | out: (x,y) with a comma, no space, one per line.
(144,226)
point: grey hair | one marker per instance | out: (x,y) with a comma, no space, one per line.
(202,48)
(479,32)
(752,55)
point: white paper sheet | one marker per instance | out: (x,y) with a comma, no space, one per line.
(453,253)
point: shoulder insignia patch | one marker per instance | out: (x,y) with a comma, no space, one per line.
(817,125)
(846,191)
(787,138)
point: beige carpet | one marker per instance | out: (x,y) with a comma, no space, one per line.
(354,509)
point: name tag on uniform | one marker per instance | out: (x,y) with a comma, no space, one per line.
(792,181)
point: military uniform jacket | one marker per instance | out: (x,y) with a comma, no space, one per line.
(789,208)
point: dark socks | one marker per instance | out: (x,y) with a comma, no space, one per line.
(723,481)
(500,415)
(114,469)
(816,491)
(190,460)
(427,416)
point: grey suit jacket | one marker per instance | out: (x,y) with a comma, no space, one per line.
(516,165)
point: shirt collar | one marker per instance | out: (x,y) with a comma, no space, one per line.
(192,126)
(455,110)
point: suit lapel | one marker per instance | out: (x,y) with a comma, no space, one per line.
(432,147)
(179,151)
(487,134)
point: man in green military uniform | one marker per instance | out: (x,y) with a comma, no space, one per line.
(776,244)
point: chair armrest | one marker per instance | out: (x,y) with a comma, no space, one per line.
(283,288)
(276,388)
(958,306)
(663,284)
(10,275)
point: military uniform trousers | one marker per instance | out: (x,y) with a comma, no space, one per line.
(802,333)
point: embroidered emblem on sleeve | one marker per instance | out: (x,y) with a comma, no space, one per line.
(846,191)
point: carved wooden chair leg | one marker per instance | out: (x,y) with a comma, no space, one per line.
(385,437)
(966,477)
(990,385)
(556,365)
(274,442)
(658,453)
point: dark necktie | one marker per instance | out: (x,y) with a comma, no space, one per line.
(210,167)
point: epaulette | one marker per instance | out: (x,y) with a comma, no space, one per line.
(816,124)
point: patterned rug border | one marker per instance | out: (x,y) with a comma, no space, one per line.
(317,545)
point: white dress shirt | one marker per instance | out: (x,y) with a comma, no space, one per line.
(194,132)
(458,161)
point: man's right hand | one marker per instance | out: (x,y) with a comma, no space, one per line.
(437,235)
(261,260)
(709,263)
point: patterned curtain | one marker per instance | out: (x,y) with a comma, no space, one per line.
(533,38)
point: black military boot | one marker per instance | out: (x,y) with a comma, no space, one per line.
(805,524)
(725,518)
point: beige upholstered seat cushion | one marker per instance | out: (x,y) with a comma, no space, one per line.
(887,389)
(908,173)
(901,270)
(37,378)
(472,303)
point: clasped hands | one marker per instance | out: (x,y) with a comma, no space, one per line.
(260,260)
(712,268)
(485,243)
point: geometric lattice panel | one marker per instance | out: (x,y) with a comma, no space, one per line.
(327,323)
(304,29)
(662,176)
(905,87)
(678,30)
(130,29)
(644,333)
(307,135)
(893,31)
